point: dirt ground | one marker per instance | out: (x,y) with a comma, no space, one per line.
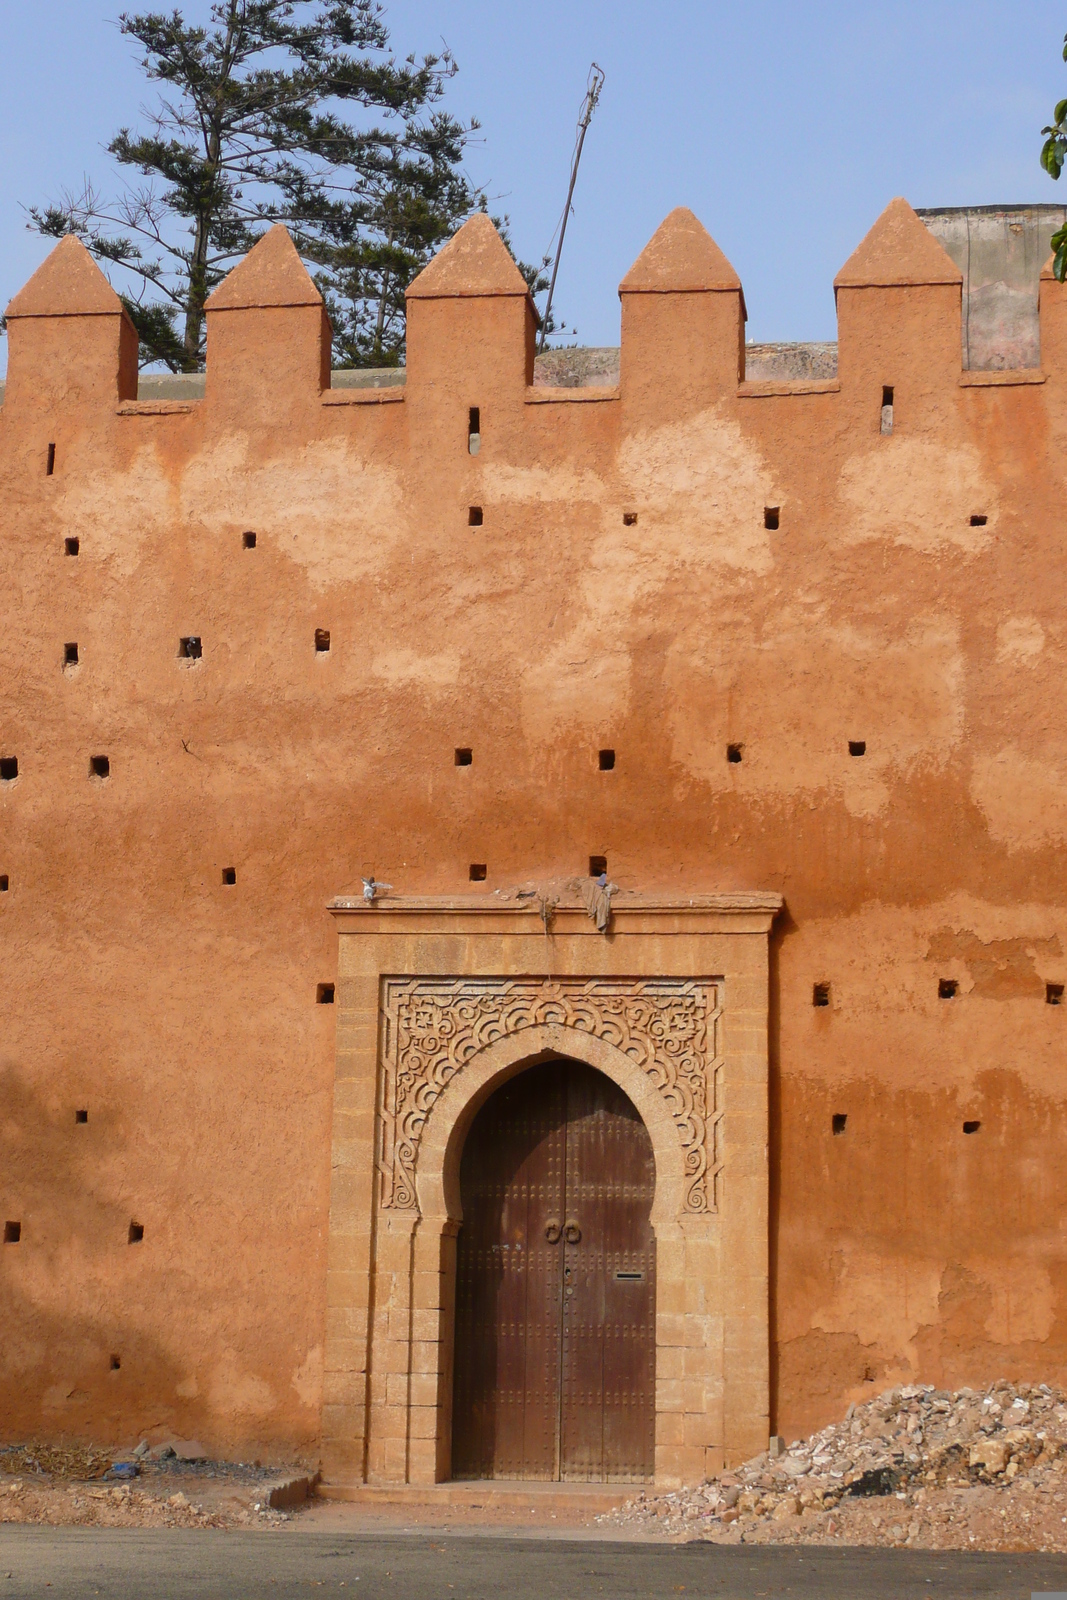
(915,1467)
(75,1486)
(1024,1517)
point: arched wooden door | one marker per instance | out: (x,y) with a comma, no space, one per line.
(555,1284)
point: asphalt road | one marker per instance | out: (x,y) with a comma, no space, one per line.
(64,1563)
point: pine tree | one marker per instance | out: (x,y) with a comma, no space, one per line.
(252,128)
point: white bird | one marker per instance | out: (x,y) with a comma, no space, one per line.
(372,887)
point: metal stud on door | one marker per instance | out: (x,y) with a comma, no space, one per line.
(556,1280)
(507,1359)
(608,1380)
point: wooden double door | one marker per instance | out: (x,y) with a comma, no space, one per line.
(555,1284)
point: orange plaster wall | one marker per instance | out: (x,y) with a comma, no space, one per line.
(181,1013)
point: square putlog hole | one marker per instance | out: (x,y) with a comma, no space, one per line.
(115,1363)
(229,875)
(1054,994)
(136,1233)
(971,1127)
(734,753)
(81,1117)
(629,519)
(474,517)
(12,1232)
(464,755)
(598,865)
(5,883)
(324,993)
(248,540)
(71,547)
(99,767)
(770,517)
(947,988)
(979,521)
(190,648)
(839,1122)
(70,655)
(857,747)
(477,872)
(606,760)
(9,768)
(820,994)
(322,640)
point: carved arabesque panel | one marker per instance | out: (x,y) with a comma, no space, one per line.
(431,1027)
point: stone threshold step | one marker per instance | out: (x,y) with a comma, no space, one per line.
(496,1493)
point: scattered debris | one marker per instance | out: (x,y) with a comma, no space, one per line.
(189,1450)
(918,1466)
(169,1486)
(61,1461)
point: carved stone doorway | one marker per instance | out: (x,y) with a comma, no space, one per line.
(443,1002)
(555,1284)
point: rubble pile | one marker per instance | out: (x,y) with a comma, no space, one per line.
(926,1456)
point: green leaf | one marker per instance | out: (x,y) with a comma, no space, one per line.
(1059,261)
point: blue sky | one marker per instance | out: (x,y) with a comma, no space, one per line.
(785,126)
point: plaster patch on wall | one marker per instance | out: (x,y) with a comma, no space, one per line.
(996,951)
(1020,640)
(307,1379)
(118,514)
(295,500)
(1023,1308)
(541,485)
(796,700)
(402,669)
(234,1393)
(883,1299)
(188,1389)
(580,683)
(1023,801)
(700,486)
(336,516)
(918,493)
(994,969)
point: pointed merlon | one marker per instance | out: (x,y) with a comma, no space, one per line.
(474,262)
(680,258)
(899,250)
(68,283)
(271,274)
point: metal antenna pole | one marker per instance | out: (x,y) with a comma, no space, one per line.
(585,117)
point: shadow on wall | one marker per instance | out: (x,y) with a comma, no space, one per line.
(781,928)
(75,1287)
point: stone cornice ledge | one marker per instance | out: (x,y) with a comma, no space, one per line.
(631,913)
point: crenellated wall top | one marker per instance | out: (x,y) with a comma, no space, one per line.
(470,322)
